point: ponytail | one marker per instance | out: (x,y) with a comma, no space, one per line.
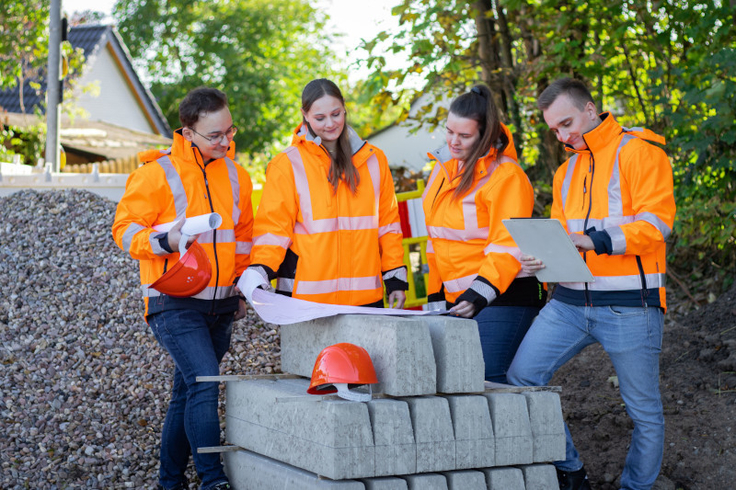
(478,105)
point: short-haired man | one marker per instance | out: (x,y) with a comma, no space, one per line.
(195,176)
(615,198)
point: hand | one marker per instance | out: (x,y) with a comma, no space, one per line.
(398,297)
(582,242)
(174,235)
(464,309)
(530,264)
(240,314)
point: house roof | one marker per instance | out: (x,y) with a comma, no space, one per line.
(92,39)
(96,140)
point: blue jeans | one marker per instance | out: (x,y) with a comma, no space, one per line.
(632,338)
(501,330)
(197,343)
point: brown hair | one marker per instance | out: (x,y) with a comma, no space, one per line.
(341,164)
(478,105)
(200,100)
(575,89)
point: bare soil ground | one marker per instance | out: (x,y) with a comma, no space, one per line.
(698,385)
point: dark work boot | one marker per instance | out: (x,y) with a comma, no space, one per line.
(573,480)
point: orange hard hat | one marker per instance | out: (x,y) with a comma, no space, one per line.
(187,277)
(339,367)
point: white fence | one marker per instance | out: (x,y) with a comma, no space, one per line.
(14,177)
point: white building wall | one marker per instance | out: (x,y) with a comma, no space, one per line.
(116,102)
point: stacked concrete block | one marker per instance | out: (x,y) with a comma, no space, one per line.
(428,481)
(471,422)
(401,349)
(385,483)
(539,476)
(511,429)
(435,424)
(411,357)
(433,433)
(457,353)
(393,437)
(331,438)
(468,479)
(547,426)
(249,471)
(504,478)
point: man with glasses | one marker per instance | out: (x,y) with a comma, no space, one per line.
(195,176)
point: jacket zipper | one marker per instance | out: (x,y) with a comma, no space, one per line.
(591,171)
(214,234)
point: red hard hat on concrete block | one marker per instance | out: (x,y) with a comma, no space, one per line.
(187,277)
(338,367)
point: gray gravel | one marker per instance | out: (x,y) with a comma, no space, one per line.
(83,384)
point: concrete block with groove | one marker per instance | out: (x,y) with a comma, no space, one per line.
(547,425)
(433,433)
(427,481)
(457,353)
(539,476)
(474,441)
(249,471)
(465,480)
(393,437)
(505,479)
(511,428)
(332,438)
(400,348)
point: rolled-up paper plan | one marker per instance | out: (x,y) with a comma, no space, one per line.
(194,225)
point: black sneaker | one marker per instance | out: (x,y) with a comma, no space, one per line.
(573,480)
(222,486)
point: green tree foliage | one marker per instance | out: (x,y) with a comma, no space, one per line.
(669,65)
(260,52)
(24,47)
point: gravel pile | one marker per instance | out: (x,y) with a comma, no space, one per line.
(83,384)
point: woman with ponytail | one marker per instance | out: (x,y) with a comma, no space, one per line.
(473,261)
(328,224)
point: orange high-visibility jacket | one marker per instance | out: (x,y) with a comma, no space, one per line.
(342,241)
(619,191)
(174,183)
(468,243)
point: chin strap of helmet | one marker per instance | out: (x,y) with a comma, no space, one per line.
(354,396)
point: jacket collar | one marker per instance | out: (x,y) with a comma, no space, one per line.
(303,136)
(608,133)
(598,138)
(450,165)
(185,151)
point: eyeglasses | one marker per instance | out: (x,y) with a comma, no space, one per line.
(216,138)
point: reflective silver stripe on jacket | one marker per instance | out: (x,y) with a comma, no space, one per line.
(271,239)
(398,273)
(232,173)
(459,284)
(243,248)
(130,232)
(619,283)
(470,218)
(311,226)
(340,284)
(208,293)
(285,284)
(616,216)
